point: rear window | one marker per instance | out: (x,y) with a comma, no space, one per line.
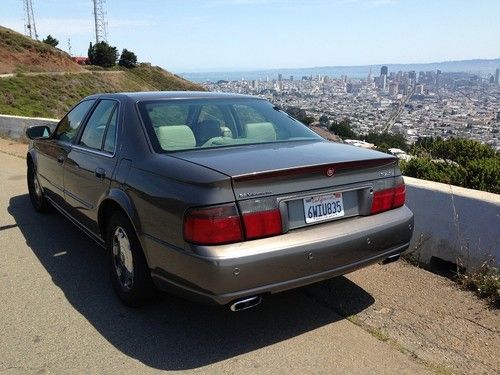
(186,124)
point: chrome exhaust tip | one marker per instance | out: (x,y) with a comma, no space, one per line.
(391,259)
(246,303)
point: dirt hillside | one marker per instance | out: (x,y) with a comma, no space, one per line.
(19,53)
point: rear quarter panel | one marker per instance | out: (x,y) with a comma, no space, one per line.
(162,188)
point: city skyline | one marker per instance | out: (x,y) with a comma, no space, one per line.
(414,104)
(232,35)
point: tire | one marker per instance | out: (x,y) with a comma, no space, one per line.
(35,190)
(129,272)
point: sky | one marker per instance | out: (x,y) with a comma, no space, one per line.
(236,35)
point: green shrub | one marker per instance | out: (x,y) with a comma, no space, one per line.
(427,169)
(463,162)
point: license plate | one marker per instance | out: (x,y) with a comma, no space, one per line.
(323,207)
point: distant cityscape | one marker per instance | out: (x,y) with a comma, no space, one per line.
(414,104)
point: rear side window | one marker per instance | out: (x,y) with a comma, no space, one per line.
(109,141)
(98,124)
(67,129)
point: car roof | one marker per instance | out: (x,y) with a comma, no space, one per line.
(155,95)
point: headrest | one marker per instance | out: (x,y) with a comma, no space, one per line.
(207,129)
(175,137)
(260,130)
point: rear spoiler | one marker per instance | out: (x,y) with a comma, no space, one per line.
(321,168)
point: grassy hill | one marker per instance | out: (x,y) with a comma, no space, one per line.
(46,82)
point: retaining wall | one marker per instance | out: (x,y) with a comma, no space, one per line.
(454,223)
(14,127)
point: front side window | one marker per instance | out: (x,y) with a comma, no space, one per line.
(98,123)
(208,123)
(67,129)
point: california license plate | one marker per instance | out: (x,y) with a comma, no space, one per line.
(323,207)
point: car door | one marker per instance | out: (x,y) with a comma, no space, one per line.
(52,152)
(90,164)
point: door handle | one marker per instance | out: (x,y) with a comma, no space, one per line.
(60,159)
(100,173)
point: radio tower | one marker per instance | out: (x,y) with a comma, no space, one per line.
(101,26)
(29,20)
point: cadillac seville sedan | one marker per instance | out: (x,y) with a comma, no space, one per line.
(222,198)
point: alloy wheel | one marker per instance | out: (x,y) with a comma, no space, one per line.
(122,258)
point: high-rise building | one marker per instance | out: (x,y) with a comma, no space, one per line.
(384,70)
(393,89)
(497,74)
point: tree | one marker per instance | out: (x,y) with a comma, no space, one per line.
(387,140)
(324,120)
(343,129)
(51,41)
(91,54)
(102,54)
(128,59)
(300,114)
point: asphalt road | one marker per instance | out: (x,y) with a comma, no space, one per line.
(58,314)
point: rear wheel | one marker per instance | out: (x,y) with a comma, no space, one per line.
(130,274)
(37,197)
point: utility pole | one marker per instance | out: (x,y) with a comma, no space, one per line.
(29,20)
(101,26)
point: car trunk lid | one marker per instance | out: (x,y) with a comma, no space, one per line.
(269,169)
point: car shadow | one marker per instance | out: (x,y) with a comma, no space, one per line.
(174,334)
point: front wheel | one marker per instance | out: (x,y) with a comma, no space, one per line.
(130,274)
(37,197)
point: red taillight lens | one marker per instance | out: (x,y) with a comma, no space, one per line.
(399,196)
(382,200)
(262,224)
(388,199)
(213,225)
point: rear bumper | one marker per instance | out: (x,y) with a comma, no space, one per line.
(221,274)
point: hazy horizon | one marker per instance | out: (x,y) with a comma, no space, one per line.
(285,68)
(481,67)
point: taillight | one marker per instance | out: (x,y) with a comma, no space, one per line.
(384,200)
(261,218)
(213,225)
(223,224)
(262,224)
(399,196)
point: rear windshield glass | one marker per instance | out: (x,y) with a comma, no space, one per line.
(186,124)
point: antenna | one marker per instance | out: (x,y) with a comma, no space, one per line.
(29,20)
(101,26)
(69,47)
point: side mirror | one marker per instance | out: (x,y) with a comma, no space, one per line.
(37,132)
